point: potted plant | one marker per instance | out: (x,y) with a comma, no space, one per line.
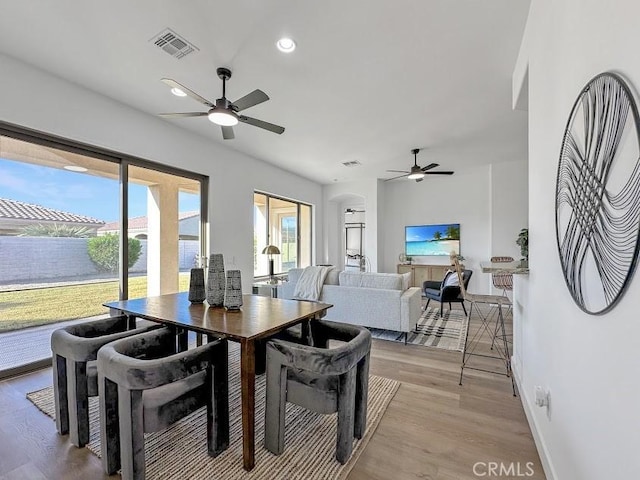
(523,242)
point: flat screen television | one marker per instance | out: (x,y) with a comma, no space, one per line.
(423,240)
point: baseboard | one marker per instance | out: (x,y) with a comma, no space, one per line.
(529,406)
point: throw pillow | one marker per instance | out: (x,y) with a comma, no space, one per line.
(450,279)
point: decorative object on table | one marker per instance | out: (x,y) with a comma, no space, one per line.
(216,280)
(597,194)
(523,242)
(197,292)
(271,250)
(233,290)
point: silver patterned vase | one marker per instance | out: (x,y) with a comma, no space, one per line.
(233,291)
(196,286)
(216,280)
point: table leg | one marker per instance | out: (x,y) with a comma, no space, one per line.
(248,385)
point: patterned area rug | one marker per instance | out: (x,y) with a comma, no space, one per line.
(445,332)
(310,440)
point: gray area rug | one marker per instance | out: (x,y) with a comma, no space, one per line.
(446,332)
(181,450)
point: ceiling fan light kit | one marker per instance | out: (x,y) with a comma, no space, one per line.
(417,172)
(177,92)
(222,118)
(286,45)
(223,112)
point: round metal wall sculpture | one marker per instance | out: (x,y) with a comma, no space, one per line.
(598,194)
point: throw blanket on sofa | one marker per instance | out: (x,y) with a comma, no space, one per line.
(310,283)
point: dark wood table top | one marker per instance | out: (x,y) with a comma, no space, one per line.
(259,316)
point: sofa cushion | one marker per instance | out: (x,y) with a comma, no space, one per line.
(387,281)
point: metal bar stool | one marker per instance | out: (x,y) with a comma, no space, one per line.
(471,345)
(504,282)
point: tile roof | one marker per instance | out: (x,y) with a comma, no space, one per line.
(13,209)
(136,223)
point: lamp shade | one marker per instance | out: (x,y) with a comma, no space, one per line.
(271,250)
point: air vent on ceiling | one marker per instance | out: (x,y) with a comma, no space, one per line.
(173,44)
(353,163)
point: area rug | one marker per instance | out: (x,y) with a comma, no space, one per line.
(310,439)
(446,332)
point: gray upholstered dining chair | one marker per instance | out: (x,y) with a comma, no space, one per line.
(322,379)
(145,385)
(74,350)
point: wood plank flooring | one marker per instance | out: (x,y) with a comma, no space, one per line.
(433,428)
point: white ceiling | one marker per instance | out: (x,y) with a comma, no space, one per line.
(369,81)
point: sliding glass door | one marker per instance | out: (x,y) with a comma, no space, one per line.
(285,224)
(61,210)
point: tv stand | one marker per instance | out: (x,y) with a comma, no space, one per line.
(422,272)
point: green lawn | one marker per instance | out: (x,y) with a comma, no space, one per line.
(29,308)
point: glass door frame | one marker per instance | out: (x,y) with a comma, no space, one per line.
(124,161)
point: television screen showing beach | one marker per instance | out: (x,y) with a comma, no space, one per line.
(432,239)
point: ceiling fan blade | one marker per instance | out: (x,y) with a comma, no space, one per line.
(173,84)
(253,98)
(393,178)
(227,133)
(183,115)
(419,179)
(429,167)
(438,173)
(398,171)
(261,124)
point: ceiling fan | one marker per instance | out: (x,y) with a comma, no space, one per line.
(417,172)
(223,112)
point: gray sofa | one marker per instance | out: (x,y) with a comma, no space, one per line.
(379,300)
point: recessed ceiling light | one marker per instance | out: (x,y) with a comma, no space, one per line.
(286,45)
(75,168)
(177,92)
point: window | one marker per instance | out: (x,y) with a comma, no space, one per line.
(285,224)
(61,211)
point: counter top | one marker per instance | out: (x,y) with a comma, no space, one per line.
(516,268)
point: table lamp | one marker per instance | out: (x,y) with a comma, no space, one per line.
(271,250)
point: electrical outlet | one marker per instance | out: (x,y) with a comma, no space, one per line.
(542,396)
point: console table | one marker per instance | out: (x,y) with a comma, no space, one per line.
(422,272)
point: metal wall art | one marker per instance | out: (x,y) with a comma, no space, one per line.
(598,194)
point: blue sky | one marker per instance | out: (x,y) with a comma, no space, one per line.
(73,192)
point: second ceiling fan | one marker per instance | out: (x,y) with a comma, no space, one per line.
(223,112)
(417,172)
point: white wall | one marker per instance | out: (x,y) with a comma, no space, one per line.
(590,363)
(463,198)
(509,181)
(35,99)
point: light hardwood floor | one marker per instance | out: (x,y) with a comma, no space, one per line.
(433,428)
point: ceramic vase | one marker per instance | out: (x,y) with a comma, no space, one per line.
(216,280)
(196,286)
(233,291)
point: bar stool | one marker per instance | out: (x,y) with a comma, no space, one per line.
(471,345)
(504,282)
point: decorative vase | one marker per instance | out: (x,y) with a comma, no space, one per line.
(233,291)
(196,286)
(216,280)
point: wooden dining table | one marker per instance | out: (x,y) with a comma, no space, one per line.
(260,317)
